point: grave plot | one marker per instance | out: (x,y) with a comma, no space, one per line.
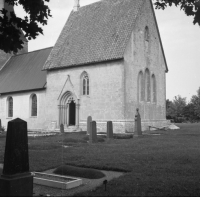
(56,181)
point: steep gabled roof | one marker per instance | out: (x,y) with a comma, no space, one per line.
(24,72)
(95,33)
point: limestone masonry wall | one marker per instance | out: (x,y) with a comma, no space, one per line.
(106,98)
(21,109)
(136,60)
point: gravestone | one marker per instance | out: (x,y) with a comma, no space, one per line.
(62,128)
(16,180)
(109,129)
(138,130)
(93,132)
(89,119)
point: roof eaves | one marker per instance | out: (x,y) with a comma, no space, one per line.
(21,91)
(85,64)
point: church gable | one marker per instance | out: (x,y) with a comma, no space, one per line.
(95,33)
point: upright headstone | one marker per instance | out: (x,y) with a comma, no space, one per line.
(62,128)
(109,129)
(138,130)
(93,132)
(16,180)
(89,119)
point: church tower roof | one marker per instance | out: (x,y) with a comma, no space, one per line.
(95,33)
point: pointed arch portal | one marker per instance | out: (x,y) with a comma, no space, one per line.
(69,110)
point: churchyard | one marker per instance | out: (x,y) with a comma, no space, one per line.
(157,163)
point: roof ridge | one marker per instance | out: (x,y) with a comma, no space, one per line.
(31,51)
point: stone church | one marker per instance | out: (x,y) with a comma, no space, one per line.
(107,62)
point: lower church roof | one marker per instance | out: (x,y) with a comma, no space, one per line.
(24,72)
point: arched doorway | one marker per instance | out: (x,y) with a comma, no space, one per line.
(68,110)
(72,113)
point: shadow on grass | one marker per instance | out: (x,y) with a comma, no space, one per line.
(79,172)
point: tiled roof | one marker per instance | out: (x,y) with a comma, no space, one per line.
(24,72)
(95,33)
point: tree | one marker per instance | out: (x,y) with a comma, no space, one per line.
(195,100)
(175,108)
(190,7)
(11,26)
(189,113)
(169,111)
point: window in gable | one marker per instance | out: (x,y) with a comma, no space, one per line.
(146,40)
(146,34)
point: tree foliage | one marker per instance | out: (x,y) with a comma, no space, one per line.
(190,7)
(179,110)
(175,108)
(11,26)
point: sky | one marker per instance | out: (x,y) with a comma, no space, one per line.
(180,38)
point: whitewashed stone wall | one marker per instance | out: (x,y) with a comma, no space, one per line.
(21,109)
(105,101)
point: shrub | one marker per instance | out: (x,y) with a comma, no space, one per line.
(79,172)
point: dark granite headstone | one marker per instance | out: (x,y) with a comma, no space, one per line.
(93,132)
(62,128)
(16,180)
(89,119)
(138,130)
(109,129)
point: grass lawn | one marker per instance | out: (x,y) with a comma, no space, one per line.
(156,165)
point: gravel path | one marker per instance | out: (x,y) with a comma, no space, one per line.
(88,184)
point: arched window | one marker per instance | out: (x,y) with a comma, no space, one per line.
(147,86)
(10,107)
(85,84)
(146,34)
(146,39)
(154,96)
(140,86)
(34,105)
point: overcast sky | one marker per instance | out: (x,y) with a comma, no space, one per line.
(181,41)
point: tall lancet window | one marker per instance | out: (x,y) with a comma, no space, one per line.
(154,88)
(147,86)
(146,39)
(140,86)
(34,105)
(85,84)
(10,107)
